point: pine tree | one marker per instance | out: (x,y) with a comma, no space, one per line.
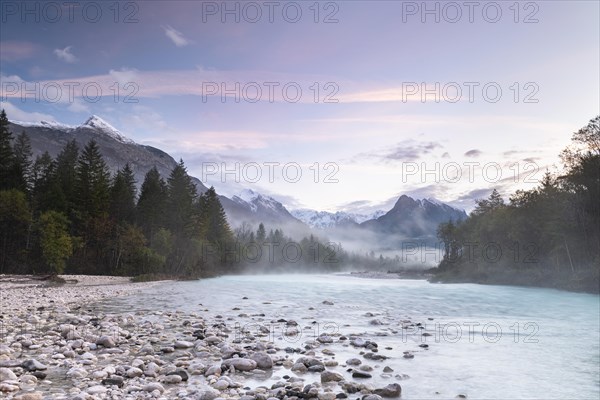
(261,234)
(93,182)
(151,206)
(22,163)
(66,175)
(122,196)
(213,219)
(180,207)
(6,154)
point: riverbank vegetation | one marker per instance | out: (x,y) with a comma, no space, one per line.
(548,236)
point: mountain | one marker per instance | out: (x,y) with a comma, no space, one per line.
(327,220)
(264,209)
(418,219)
(118,149)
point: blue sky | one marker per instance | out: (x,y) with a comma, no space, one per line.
(379,64)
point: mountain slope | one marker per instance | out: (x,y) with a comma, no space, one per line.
(414,218)
(117,149)
(327,220)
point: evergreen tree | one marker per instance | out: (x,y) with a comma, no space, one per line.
(93,182)
(182,194)
(6,154)
(214,223)
(122,196)
(22,163)
(151,206)
(261,234)
(66,175)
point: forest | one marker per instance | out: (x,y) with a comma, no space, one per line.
(69,215)
(547,236)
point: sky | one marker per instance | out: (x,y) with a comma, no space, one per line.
(336,106)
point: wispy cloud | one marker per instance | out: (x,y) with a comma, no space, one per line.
(17,50)
(473,153)
(65,55)
(409,150)
(16,114)
(176,37)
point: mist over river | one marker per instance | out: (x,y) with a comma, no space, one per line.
(486,342)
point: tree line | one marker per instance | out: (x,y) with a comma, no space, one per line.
(546,236)
(69,214)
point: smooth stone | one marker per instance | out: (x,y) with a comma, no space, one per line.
(97,389)
(28,379)
(30,396)
(6,387)
(240,364)
(183,344)
(263,360)
(151,387)
(33,365)
(172,379)
(134,372)
(372,397)
(114,380)
(221,384)
(106,341)
(331,376)
(7,375)
(353,361)
(360,374)
(77,373)
(184,375)
(391,390)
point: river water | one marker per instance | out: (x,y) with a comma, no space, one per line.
(486,342)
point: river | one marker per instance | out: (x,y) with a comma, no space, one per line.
(486,342)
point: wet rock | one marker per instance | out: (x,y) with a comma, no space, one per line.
(263,360)
(391,390)
(240,364)
(39,374)
(328,303)
(361,374)
(331,376)
(387,369)
(371,397)
(77,373)
(353,361)
(114,380)
(33,365)
(184,375)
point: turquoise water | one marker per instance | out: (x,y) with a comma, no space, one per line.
(487,342)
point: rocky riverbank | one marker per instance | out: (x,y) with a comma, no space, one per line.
(56,345)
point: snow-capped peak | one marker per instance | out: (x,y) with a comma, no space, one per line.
(325,219)
(95,122)
(44,124)
(249,195)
